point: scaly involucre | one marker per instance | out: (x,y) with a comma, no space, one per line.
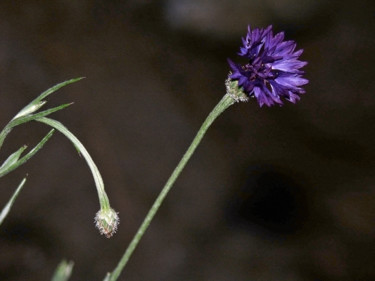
(107,221)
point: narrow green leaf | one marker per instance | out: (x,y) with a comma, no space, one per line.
(30,117)
(63,271)
(46,93)
(28,155)
(4,133)
(13,158)
(25,114)
(10,203)
(56,87)
(23,119)
(106,278)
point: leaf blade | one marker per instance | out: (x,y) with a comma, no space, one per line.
(63,271)
(38,101)
(10,203)
(31,117)
(13,158)
(31,153)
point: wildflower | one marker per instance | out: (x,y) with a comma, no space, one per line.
(273,68)
(107,221)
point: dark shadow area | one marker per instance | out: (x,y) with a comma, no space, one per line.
(268,202)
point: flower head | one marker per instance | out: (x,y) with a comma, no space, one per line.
(272,70)
(107,221)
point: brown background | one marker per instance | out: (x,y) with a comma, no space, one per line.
(271,194)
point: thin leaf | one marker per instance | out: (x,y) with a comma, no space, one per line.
(4,133)
(106,278)
(28,155)
(13,158)
(45,94)
(24,115)
(56,87)
(63,271)
(10,203)
(23,119)
(31,117)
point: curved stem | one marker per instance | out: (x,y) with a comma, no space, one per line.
(103,198)
(225,102)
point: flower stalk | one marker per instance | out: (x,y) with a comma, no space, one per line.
(106,219)
(224,103)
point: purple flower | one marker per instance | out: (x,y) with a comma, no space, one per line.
(273,67)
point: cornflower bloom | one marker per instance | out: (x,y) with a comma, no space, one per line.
(272,70)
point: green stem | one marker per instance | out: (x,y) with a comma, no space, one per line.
(103,198)
(225,102)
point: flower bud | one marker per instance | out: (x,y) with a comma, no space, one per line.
(107,220)
(31,108)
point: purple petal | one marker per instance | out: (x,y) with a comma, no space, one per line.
(273,68)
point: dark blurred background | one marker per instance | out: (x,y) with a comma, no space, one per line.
(283,193)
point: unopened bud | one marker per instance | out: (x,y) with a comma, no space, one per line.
(29,109)
(107,220)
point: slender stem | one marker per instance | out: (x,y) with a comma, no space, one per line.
(103,198)
(225,102)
